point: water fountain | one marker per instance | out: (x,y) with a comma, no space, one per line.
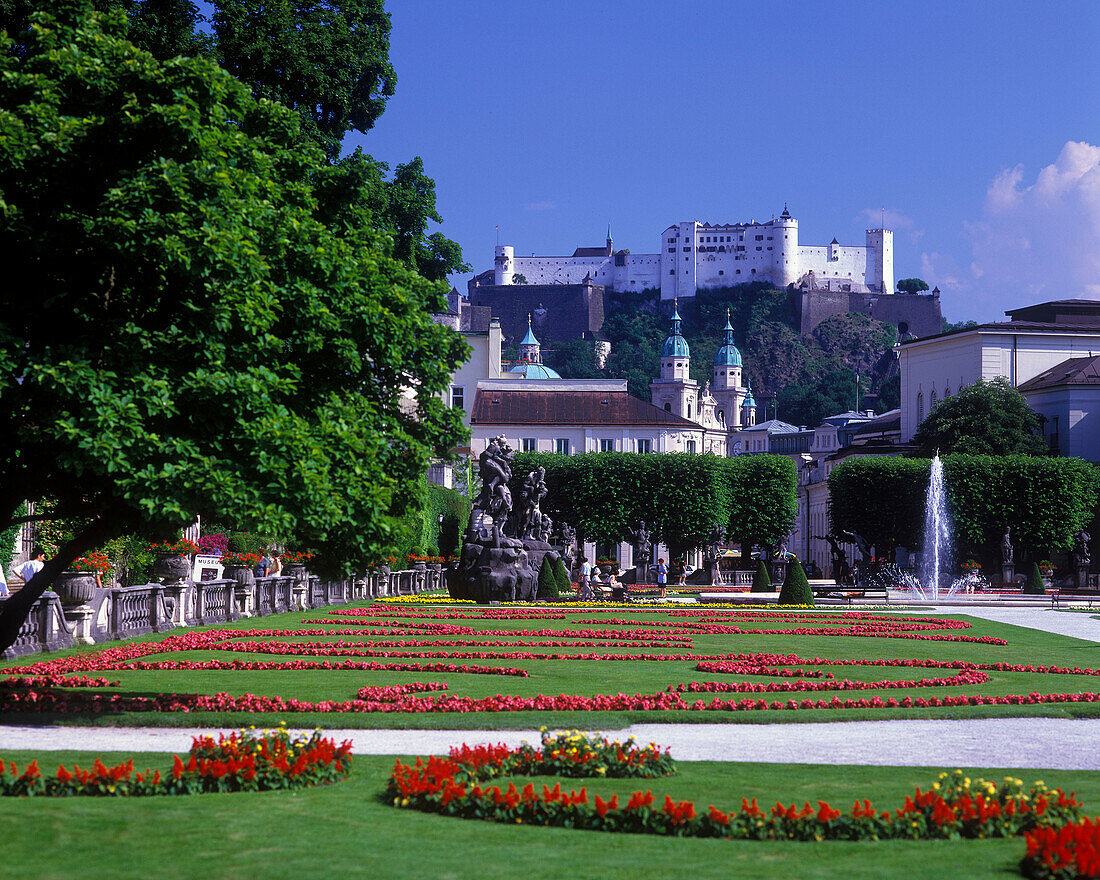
(935,581)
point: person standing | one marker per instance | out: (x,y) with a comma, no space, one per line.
(275,564)
(662,576)
(32,566)
(3,584)
(585,584)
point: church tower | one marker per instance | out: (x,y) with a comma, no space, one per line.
(529,348)
(676,392)
(727,390)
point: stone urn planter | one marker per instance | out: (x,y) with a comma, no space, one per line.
(298,572)
(172,567)
(242,574)
(75,587)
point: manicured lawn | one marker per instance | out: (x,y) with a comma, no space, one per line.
(620,639)
(345,830)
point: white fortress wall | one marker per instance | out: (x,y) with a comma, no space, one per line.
(641,271)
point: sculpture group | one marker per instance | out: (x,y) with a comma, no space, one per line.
(505,544)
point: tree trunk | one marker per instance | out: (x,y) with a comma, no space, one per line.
(15,609)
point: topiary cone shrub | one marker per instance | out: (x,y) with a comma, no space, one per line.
(548,585)
(796,589)
(1033,586)
(761,583)
(561,578)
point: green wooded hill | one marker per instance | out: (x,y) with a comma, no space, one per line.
(812,376)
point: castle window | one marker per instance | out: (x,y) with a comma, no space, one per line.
(932,400)
(668,407)
(672,250)
(691,446)
(671,271)
(689,409)
(738,271)
(721,272)
(920,408)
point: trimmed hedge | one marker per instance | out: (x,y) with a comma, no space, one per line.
(796,589)
(682,497)
(1045,500)
(761,582)
(548,585)
(1033,586)
(561,577)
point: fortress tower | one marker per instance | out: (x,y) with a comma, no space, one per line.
(786,260)
(504,263)
(880,260)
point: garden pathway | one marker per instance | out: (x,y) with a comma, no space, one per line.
(1080,625)
(991,742)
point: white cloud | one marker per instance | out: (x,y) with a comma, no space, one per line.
(539,206)
(893,219)
(1040,240)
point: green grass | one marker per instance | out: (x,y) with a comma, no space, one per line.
(591,677)
(346,830)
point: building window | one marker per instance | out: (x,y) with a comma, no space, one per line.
(645,446)
(932,400)
(561,446)
(691,446)
(668,407)
(458,396)
(607,446)
(721,272)
(920,408)
(530,444)
(671,271)
(689,409)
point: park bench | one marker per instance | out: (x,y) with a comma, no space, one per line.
(850,592)
(1068,591)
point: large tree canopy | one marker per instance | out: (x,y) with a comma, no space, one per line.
(985,418)
(188,326)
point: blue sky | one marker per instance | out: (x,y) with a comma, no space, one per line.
(971,123)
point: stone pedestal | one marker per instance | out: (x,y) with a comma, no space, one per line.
(1082,579)
(1008,573)
(175,596)
(79,619)
(300,588)
(243,594)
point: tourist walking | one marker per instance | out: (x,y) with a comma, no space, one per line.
(662,576)
(275,564)
(585,584)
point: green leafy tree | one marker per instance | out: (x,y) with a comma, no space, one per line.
(576,359)
(911,285)
(949,327)
(881,499)
(984,418)
(519,278)
(763,504)
(796,588)
(328,60)
(808,403)
(199,341)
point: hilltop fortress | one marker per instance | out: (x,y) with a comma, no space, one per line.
(825,280)
(697,255)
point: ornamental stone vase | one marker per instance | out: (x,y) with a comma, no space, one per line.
(242,574)
(172,567)
(298,572)
(75,587)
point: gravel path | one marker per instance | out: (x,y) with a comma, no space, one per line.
(1066,623)
(1000,742)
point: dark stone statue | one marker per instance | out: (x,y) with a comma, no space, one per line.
(642,546)
(1081,554)
(501,563)
(1006,546)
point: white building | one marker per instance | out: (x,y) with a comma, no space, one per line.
(1035,339)
(695,255)
(1067,397)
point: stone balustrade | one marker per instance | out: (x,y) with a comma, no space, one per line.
(123,612)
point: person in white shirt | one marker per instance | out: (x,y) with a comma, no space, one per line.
(585,584)
(32,566)
(3,584)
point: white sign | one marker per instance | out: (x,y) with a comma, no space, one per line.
(207,568)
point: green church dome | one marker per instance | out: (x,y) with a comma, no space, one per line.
(728,355)
(675,345)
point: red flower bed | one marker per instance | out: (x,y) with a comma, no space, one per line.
(1064,853)
(953,807)
(244,761)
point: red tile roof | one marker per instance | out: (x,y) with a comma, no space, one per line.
(493,407)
